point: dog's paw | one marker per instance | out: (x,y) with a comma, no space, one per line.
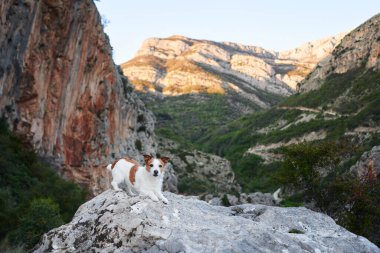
(154,198)
(165,201)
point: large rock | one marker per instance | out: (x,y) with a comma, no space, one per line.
(210,173)
(368,164)
(61,91)
(114,222)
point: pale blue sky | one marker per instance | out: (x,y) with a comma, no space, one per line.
(276,25)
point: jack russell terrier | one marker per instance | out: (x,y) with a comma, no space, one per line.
(145,180)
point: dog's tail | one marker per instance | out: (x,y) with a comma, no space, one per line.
(109,167)
(276,197)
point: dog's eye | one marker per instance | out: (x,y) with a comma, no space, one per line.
(151,165)
(160,166)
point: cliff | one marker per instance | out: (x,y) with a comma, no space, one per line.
(179,65)
(360,48)
(114,222)
(61,91)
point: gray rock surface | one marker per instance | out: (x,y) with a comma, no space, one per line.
(114,222)
(368,161)
(212,171)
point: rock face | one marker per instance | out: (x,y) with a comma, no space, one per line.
(359,48)
(114,222)
(179,65)
(369,163)
(61,91)
(198,172)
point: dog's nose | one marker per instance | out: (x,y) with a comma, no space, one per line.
(155,172)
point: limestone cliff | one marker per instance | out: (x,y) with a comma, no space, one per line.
(179,65)
(360,48)
(114,222)
(61,91)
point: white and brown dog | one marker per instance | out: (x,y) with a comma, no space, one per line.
(145,180)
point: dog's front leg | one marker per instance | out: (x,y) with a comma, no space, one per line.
(161,196)
(150,194)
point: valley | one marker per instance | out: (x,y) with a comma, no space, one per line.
(242,124)
(332,118)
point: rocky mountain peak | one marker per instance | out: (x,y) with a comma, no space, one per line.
(359,48)
(179,65)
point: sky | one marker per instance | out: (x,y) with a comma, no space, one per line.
(272,24)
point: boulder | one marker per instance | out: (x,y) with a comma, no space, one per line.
(115,222)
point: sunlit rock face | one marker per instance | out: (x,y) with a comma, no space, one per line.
(61,91)
(179,65)
(359,49)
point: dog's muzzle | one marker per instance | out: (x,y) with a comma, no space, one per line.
(155,173)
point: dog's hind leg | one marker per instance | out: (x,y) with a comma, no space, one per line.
(115,186)
(129,191)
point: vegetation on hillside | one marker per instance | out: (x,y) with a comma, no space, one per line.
(33,198)
(361,88)
(187,118)
(315,173)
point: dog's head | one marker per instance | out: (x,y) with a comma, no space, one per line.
(155,166)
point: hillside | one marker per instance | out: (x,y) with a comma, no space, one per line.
(311,142)
(216,81)
(346,103)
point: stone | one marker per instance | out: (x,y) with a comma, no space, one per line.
(114,222)
(369,162)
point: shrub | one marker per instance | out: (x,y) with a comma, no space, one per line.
(315,172)
(41,216)
(24,181)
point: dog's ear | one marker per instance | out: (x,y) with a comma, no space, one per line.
(147,158)
(164,159)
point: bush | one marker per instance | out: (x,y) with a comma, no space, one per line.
(25,184)
(313,172)
(41,216)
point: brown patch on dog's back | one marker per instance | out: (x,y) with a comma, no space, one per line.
(114,163)
(132,174)
(125,158)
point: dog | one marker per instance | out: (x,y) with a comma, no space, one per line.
(146,180)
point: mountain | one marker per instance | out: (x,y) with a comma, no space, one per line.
(216,81)
(178,65)
(62,93)
(319,145)
(114,222)
(339,98)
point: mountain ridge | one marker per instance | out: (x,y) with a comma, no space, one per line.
(266,66)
